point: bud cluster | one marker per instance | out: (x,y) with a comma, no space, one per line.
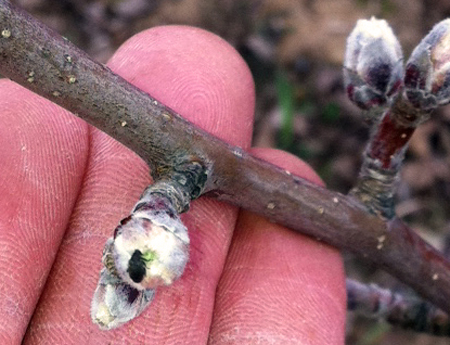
(374,72)
(400,98)
(149,248)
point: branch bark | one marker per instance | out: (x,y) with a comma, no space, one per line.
(42,61)
(397,309)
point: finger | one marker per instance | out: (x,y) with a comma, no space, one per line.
(279,287)
(43,154)
(203,78)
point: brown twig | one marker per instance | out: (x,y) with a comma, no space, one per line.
(396,308)
(39,59)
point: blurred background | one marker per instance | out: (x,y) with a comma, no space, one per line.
(295,50)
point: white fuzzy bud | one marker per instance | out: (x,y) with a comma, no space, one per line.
(427,77)
(373,64)
(149,248)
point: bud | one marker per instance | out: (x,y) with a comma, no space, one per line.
(149,248)
(427,76)
(373,64)
(115,303)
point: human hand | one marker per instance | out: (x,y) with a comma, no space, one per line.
(65,185)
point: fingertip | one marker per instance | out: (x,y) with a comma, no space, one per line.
(194,72)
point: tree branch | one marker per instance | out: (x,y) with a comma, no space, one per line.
(42,61)
(397,309)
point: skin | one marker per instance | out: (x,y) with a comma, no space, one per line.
(65,185)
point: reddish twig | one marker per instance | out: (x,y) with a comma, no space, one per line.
(383,157)
(39,59)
